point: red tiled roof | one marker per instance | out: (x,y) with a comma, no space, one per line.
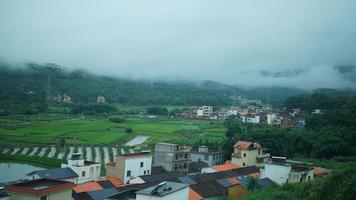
(246,145)
(87,187)
(225,167)
(25,188)
(320,170)
(193,195)
(115,181)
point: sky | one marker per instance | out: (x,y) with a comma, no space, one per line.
(294,43)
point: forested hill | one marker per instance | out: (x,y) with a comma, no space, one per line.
(30,86)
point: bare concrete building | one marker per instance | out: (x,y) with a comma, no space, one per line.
(210,157)
(172,157)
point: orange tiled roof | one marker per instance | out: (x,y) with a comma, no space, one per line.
(87,187)
(194,196)
(225,167)
(320,170)
(245,145)
(115,181)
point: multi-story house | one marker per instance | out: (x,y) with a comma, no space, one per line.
(130,166)
(210,157)
(172,157)
(249,154)
(86,170)
(204,112)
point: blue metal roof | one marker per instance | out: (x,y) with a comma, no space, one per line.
(57,173)
(224,182)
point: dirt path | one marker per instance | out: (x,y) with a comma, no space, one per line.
(52,152)
(42,152)
(106,155)
(97,155)
(34,151)
(89,155)
(25,151)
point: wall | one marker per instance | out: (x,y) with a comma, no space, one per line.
(237,192)
(277,173)
(133,164)
(249,160)
(63,195)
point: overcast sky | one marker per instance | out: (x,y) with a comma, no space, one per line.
(250,43)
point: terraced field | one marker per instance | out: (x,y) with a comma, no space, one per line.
(108,152)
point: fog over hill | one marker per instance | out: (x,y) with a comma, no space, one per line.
(282,43)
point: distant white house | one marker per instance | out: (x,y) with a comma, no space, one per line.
(273,119)
(254,119)
(281,171)
(100,99)
(86,170)
(130,166)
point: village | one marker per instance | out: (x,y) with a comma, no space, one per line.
(171,171)
(248,111)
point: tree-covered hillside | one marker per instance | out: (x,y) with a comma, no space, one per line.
(27,88)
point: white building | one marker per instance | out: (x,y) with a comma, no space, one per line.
(164,191)
(130,166)
(86,170)
(281,171)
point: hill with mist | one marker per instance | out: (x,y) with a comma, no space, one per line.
(30,85)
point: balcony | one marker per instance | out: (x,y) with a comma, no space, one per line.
(236,155)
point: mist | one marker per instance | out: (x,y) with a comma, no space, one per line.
(249,43)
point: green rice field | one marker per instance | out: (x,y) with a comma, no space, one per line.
(44,129)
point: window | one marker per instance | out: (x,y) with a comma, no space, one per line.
(148,171)
(144,172)
(83,173)
(259,151)
(176,157)
(244,154)
(186,156)
(43,198)
(175,167)
(185,165)
(128,173)
(141,164)
(243,164)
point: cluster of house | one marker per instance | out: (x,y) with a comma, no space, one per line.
(67,99)
(258,115)
(177,172)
